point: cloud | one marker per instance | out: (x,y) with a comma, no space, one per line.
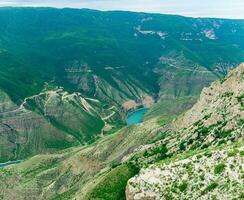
(194,8)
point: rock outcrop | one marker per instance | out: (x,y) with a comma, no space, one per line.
(210,174)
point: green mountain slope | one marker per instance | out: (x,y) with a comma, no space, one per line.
(76,171)
(101,170)
(49,121)
(122,59)
(114,56)
(68,78)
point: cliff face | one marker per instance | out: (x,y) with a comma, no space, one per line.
(50,121)
(202,165)
(217,117)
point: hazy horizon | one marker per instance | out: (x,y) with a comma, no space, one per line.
(193,8)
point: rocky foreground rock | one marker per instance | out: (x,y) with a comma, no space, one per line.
(212,174)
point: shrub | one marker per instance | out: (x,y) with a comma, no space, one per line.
(182,146)
(228,94)
(183,187)
(232,152)
(161,150)
(219,168)
(113,184)
(241,196)
(210,187)
(222,80)
(114,164)
(239,98)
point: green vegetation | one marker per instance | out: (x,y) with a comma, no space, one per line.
(164,120)
(228,94)
(79,56)
(66,195)
(112,186)
(240,99)
(82,66)
(233,152)
(64,49)
(183,186)
(211,187)
(46,164)
(218,169)
(160,150)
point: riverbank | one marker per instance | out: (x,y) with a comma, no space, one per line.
(132,105)
(10,163)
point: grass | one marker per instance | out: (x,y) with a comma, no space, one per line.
(112,186)
(44,165)
(168,109)
(163,120)
(66,195)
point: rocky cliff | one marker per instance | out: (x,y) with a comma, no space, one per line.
(207,174)
(203,161)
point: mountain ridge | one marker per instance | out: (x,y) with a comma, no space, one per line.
(213,123)
(69,77)
(84,174)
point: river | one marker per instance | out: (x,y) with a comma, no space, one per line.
(10,163)
(136,116)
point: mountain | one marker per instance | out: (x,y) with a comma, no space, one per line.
(74,172)
(114,56)
(106,64)
(198,155)
(50,121)
(205,150)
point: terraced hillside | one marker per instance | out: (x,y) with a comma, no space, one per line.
(50,121)
(206,154)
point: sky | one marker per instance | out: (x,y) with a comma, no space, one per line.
(195,8)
